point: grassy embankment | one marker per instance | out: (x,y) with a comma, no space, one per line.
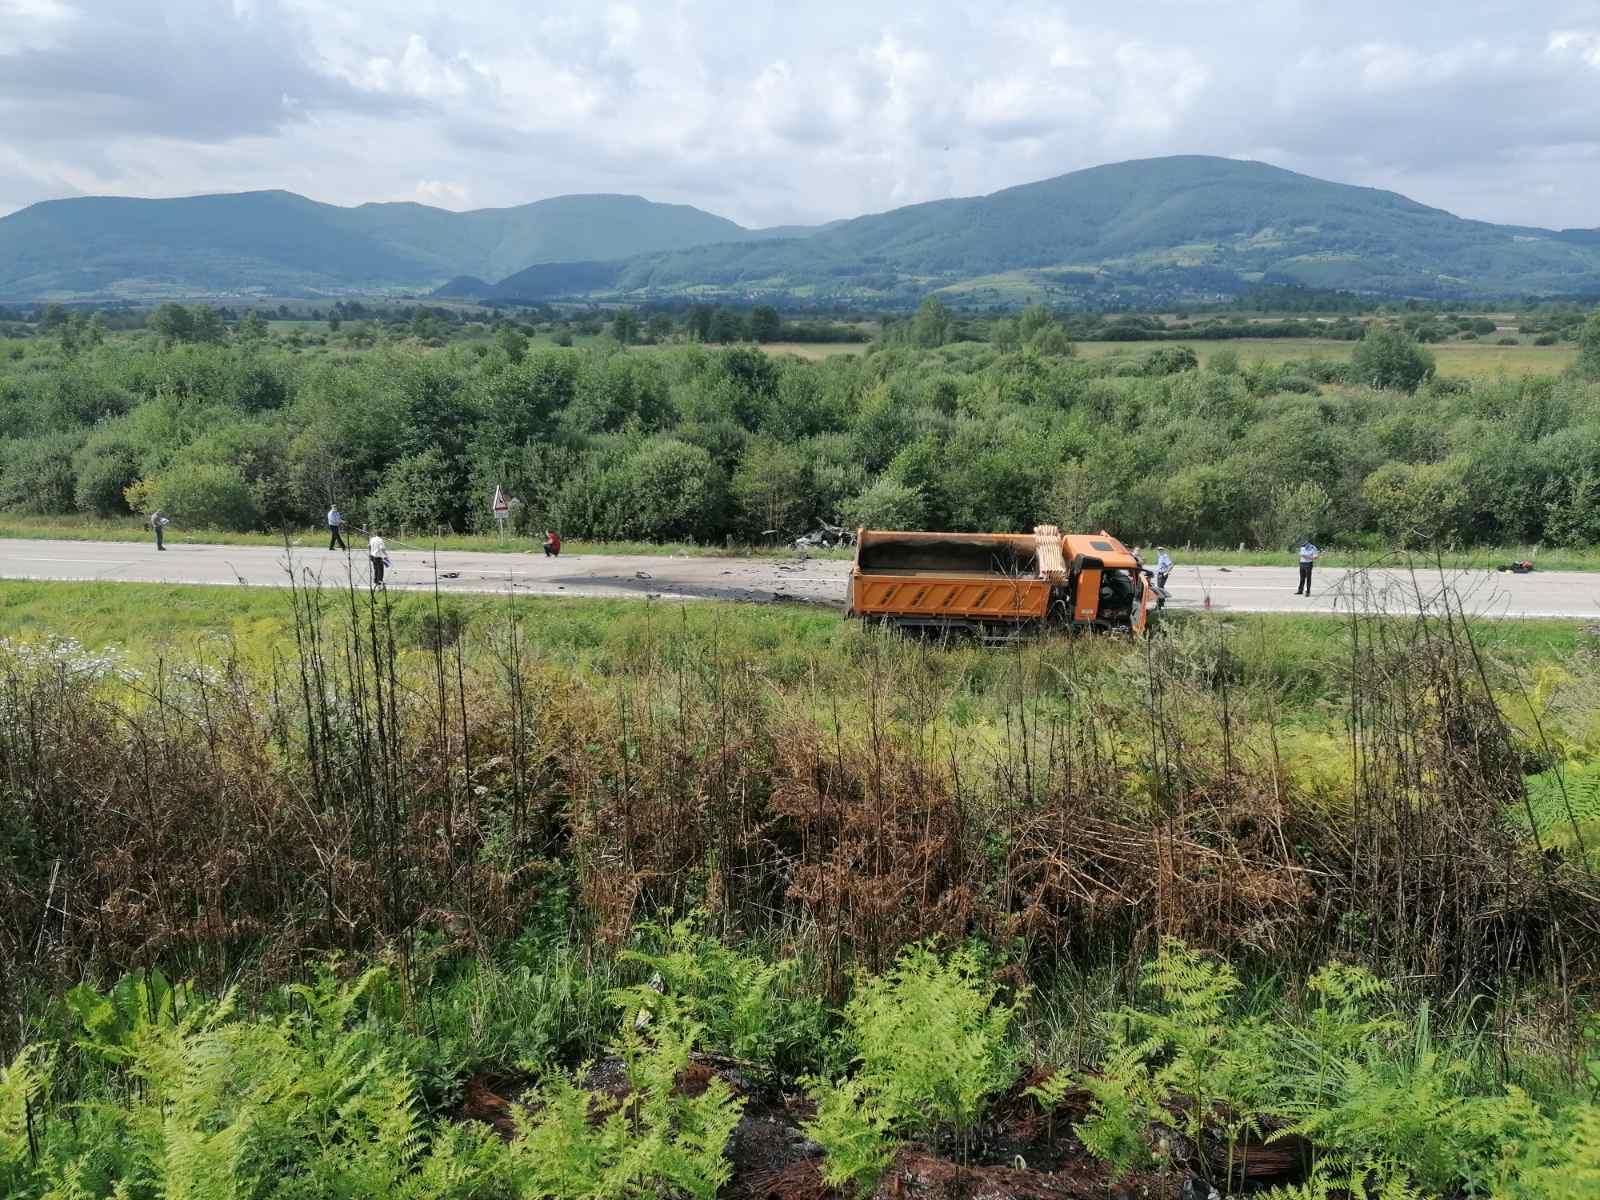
(485,801)
(1303,656)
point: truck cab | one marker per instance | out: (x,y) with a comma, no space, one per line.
(1109,590)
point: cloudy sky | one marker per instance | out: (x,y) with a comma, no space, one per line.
(771,113)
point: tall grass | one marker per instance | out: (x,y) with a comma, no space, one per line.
(433,773)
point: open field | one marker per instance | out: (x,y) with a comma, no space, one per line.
(810,351)
(1470,360)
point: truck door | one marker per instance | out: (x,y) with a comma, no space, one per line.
(1139,617)
(1086,592)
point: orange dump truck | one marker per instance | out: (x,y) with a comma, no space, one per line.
(998,585)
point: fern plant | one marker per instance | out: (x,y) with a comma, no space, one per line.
(1341,1178)
(1218,1066)
(657,1142)
(853,1131)
(1531,1154)
(1125,1102)
(1407,1110)
(114,1022)
(292,1108)
(23,1084)
(749,1006)
(1565,808)
(1048,1095)
(932,1040)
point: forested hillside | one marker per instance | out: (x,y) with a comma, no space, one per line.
(690,442)
(1148,231)
(278,243)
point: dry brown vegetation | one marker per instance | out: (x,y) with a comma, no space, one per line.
(367,790)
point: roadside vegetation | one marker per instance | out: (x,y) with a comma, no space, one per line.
(508,898)
(241,429)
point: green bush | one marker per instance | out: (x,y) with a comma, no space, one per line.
(1418,504)
(1587,365)
(36,474)
(1389,360)
(205,496)
(887,504)
(104,469)
(419,493)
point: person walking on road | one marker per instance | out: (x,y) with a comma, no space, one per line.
(1308,556)
(552,544)
(379,554)
(158,522)
(335,522)
(1163,567)
(1163,573)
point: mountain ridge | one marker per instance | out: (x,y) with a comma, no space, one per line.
(1176,228)
(1146,230)
(270,240)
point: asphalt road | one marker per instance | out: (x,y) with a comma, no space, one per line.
(1573,594)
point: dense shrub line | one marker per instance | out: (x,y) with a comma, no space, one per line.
(711,445)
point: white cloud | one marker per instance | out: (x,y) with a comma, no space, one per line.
(34,24)
(443,193)
(771,114)
(419,72)
(1583,44)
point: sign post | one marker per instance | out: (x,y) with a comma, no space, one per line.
(502,509)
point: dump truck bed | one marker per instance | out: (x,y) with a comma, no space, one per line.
(951,576)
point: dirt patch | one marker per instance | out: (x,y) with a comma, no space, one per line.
(488,1098)
(918,1173)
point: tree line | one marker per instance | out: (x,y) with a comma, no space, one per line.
(709,444)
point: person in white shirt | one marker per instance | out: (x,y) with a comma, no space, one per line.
(335,520)
(1308,555)
(379,554)
(1163,567)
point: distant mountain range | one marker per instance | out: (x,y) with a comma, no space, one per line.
(1150,230)
(278,243)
